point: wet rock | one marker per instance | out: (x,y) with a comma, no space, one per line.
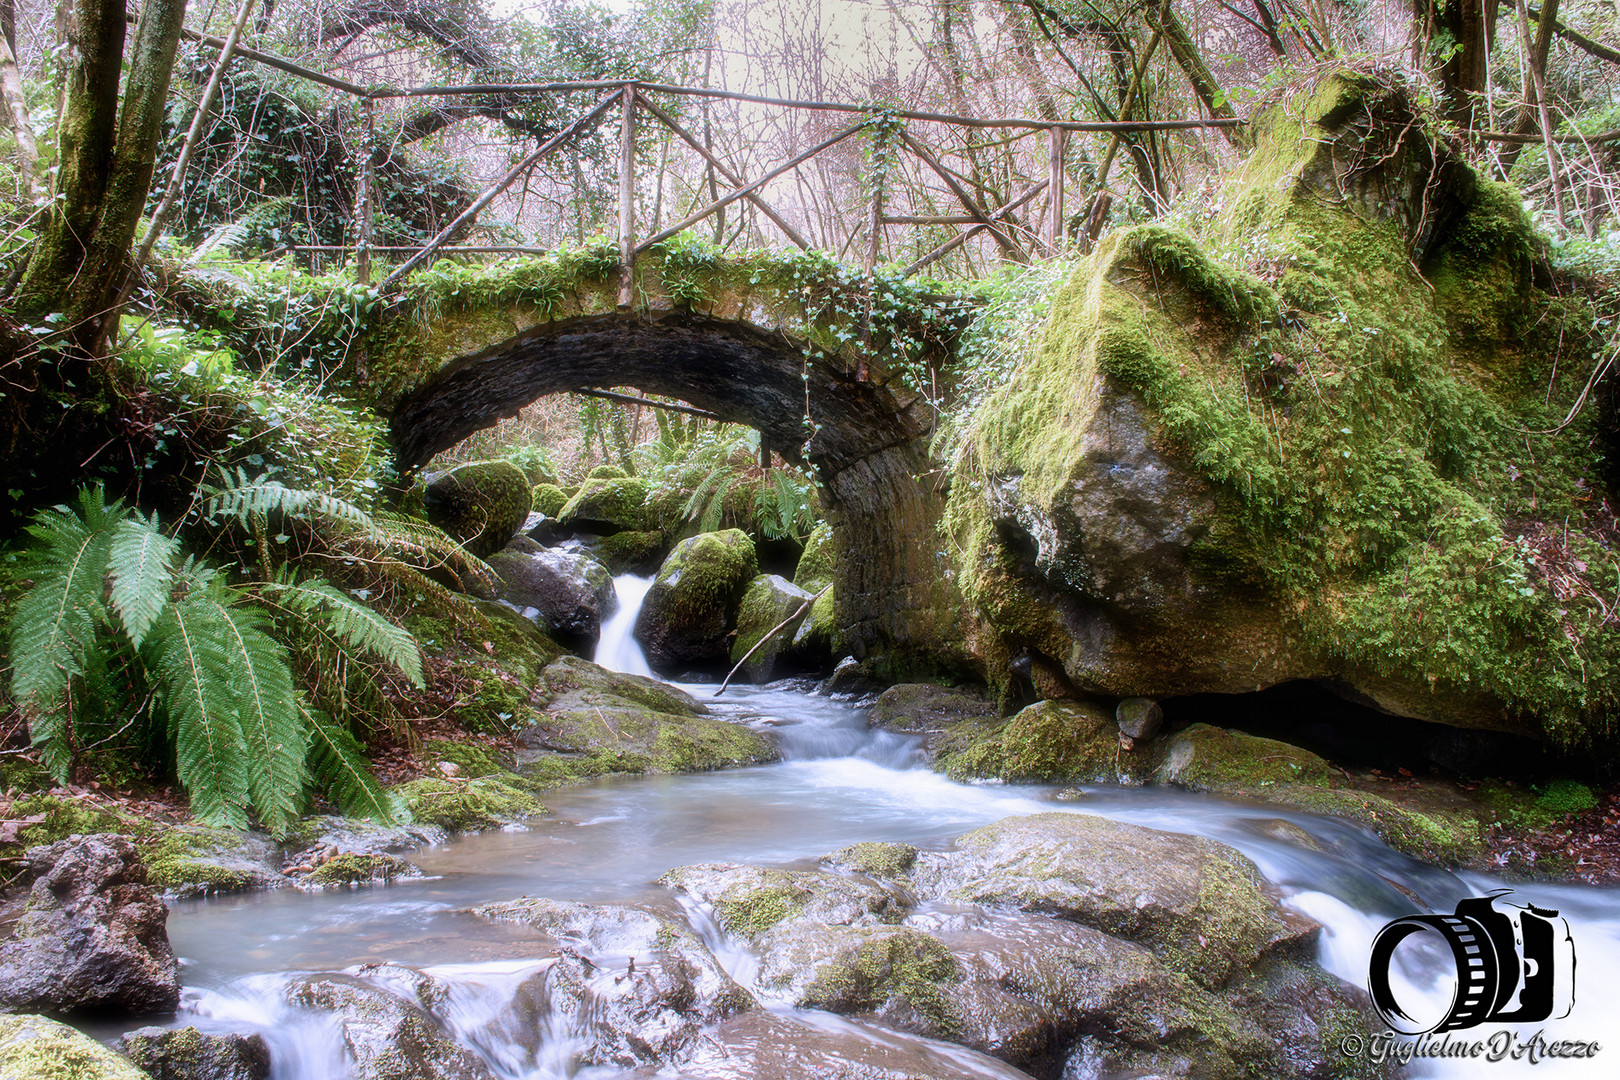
(687,616)
(631,552)
(340,870)
(768,1046)
(642,986)
(770,601)
(487,802)
(1207,758)
(819,561)
(1195,903)
(480,504)
(571,593)
(752,901)
(598,721)
(194,860)
(607,505)
(188,1054)
(92,936)
(890,861)
(1139,719)
(357,836)
(34,1048)
(925,708)
(817,637)
(386,1036)
(853,677)
(1047,741)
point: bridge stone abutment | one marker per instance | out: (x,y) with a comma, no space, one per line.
(744,362)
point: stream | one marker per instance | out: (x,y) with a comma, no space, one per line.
(838,783)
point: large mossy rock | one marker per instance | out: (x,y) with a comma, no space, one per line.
(35,1048)
(387,1036)
(482,504)
(188,1054)
(597,721)
(687,616)
(818,564)
(771,606)
(607,505)
(1290,444)
(566,592)
(1047,741)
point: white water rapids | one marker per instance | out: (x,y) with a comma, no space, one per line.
(839,783)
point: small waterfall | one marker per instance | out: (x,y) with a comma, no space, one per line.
(617,649)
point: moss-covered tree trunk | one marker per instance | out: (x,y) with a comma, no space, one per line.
(106,159)
(1458,38)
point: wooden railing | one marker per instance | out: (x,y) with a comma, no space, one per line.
(631,100)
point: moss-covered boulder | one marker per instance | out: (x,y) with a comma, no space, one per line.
(1047,741)
(1196,904)
(1207,758)
(817,640)
(631,552)
(455,806)
(597,721)
(818,564)
(480,504)
(881,860)
(607,505)
(566,592)
(1290,443)
(188,1054)
(771,606)
(358,869)
(687,616)
(547,499)
(189,861)
(929,709)
(607,472)
(35,1048)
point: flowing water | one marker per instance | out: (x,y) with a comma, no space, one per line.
(838,783)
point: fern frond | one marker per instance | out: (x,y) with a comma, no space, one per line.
(266,707)
(187,650)
(139,561)
(355,626)
(243,498)
(425,544)
(340,768)
(54,625)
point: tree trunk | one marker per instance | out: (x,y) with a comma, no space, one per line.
(1464,29)
(1535,68)
(106,160)
(1191,61)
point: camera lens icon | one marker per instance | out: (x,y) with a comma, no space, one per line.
(1508,965)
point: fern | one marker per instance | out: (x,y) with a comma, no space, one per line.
(140,561)
(396,534)
(245,499)
(56,621)
(188,651)
(267,713)
(339,765)
(355,626)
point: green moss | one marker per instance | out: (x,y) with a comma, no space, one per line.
(817,565)
(200,861)
(1208,758)
(481,504)
(752,914)
(486,803)
(1048,741)
(34,1048)
(1536,807)
(359,869)
(893,861)
(698,587)
(616,502)
(630,552)
(608,472)
(64,817)
(891,967)
(548,499)
(474,759)
(1445,838)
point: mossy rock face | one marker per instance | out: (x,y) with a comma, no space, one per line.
(1207,758)
(64,817)
(1047,741)
(1195,903)
(570,681)
(1180,490)
(189,861)
(547,499)
(188,1054)
(769,602)
(817,566)
(631,552)
(817,640)
(686,619)
(481,504)
(607,505)
(35,1048)
(1451,838)
(754,901)
(457,807)
(928,707)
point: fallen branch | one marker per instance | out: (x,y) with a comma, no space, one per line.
(767,637)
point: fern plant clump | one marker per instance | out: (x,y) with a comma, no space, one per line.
(118,631)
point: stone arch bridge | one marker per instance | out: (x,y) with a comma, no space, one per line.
(783,345)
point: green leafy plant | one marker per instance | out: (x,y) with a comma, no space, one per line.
(114,623)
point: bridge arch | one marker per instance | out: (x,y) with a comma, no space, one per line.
(747,361)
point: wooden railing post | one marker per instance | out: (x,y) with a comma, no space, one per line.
(627,197)
(1054,190)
